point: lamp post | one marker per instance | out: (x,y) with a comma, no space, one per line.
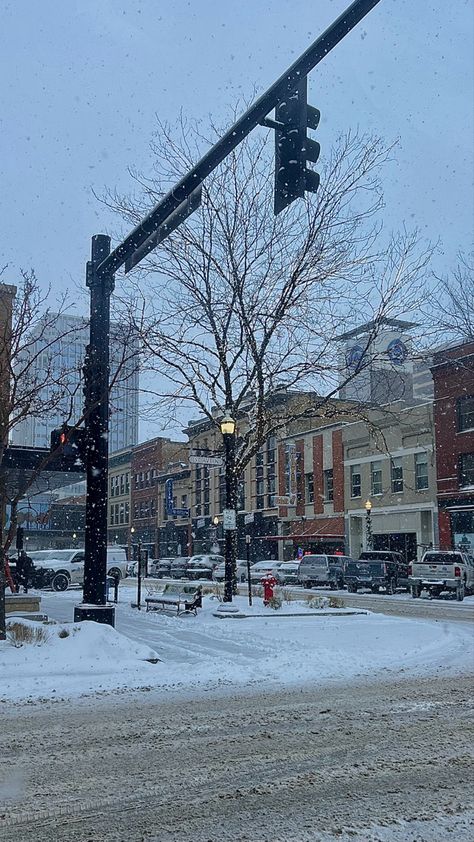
(74,536)
(227,426)
(368,524)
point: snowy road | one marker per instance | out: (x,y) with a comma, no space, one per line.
(382,762)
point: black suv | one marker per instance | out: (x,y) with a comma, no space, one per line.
(377,569)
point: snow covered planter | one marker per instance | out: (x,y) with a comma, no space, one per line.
(319,602)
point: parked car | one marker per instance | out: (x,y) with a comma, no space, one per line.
(287,573)
(201,566)
(60,568)
(440,571)
(179,567)
(132,567)
(218,573)
(322,569)
(377,569)
(261,569)
(161,568)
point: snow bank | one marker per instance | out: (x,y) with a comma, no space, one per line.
(74,658)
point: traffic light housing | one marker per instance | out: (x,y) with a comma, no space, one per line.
(293,116)
(70,445)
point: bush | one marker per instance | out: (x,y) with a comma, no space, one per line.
(286,593)
(63,633)
(336,602)
(275,602)
(19,634)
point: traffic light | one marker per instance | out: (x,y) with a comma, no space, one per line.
(293,116)
(70,444)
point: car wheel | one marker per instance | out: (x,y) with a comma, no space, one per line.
(307,585)
(351,589)
(333,585)
(115,573)
(60,582)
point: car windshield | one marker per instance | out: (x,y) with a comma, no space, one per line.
(375,554)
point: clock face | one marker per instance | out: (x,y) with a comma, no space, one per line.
(397,351)
(354,356)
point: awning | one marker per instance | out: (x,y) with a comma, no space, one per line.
(314,529)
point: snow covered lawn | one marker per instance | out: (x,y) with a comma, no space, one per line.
(201,653)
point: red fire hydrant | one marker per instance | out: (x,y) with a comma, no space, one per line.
(268,583)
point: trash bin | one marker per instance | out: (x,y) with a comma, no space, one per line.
(111,589)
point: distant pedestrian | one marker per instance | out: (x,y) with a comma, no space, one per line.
(24,571)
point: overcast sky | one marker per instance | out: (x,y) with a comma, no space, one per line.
(82,81)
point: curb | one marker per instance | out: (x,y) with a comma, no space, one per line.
(334,613)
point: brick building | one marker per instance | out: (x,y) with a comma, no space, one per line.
(453,376)
(148,460)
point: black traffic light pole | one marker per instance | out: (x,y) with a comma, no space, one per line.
(157,225)
(96,390)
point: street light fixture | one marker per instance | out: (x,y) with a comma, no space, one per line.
(368,524)
(227,426)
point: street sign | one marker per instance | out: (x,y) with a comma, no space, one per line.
(228,519)
(201,522)
(249,518)
(217,461)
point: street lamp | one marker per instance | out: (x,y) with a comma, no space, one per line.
(74,536)
(368,524)
(227,426)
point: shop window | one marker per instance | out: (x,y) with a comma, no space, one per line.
(421,471)
(397,475)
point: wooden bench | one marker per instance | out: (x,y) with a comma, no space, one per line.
(185,598)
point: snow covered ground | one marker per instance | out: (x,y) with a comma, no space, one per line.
(201,653)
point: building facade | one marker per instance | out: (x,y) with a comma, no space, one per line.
(389,462)
(119,499)
(453,375)
(61,345)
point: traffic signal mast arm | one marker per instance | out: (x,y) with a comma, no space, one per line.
(252,117)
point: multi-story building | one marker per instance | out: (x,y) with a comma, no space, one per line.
(61,346)
(149,459)
(453,375)
(389,462)
(119,498)
(174,522)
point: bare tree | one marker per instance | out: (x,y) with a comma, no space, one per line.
(238,302)
(452,310)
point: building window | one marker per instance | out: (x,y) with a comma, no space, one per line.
(421,471)
(397,475)
(465,407)
(328,485)
(466,472)
(271,450)
(356,489)
(309,488)
(376,478)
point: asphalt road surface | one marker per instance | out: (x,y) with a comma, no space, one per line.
(373,762)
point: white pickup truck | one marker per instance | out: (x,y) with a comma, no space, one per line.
(440,571)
